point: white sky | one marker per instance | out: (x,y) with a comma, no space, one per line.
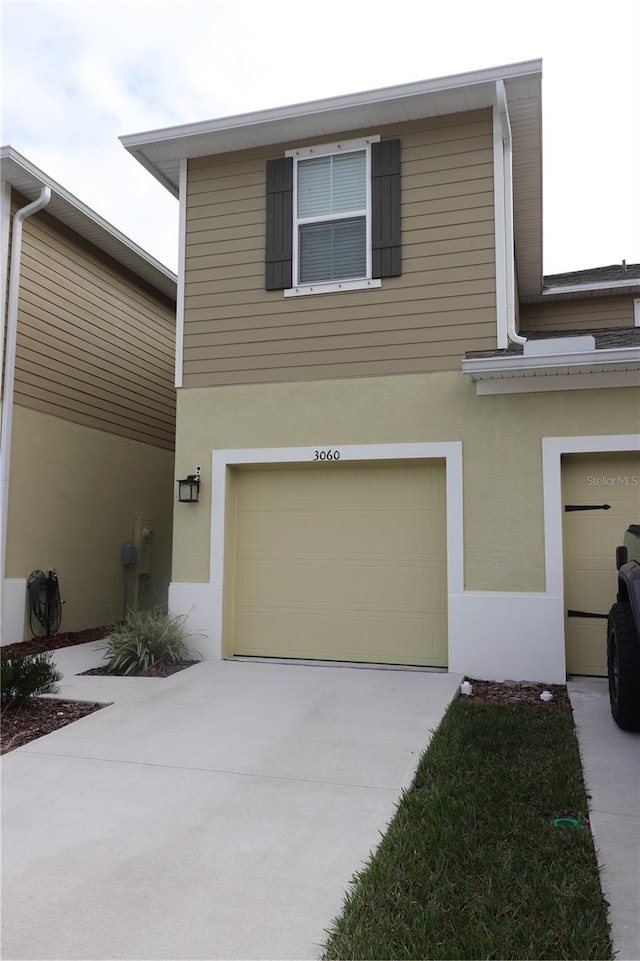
(78,74)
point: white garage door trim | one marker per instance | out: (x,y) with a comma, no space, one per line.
(480,622)
(450,451)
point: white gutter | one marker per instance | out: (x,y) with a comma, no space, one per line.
(599,285)
(160,151)
(578,362)
(315,108)
(507,184)
(9,372)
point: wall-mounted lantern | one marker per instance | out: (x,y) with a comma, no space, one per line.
(189,488)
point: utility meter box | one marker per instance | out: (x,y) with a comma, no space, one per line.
(128,554)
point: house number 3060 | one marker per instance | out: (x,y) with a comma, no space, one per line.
(326,455)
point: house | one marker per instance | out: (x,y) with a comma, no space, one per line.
(88,410)
(389,406)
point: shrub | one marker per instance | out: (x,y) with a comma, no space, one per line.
(148,639)
(24,675)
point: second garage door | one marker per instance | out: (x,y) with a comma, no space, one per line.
(591,536)
(341,562)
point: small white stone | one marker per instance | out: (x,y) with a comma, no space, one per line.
(546,696)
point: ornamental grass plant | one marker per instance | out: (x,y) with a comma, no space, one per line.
(25,675)
(148,639)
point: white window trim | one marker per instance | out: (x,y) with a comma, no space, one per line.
(334,287)
(636,312)
(325,150)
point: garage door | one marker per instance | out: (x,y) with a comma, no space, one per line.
(342,562)
(590,540)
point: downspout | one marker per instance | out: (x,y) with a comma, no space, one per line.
(9,373)
(507,183)
(5,226)
(182,246)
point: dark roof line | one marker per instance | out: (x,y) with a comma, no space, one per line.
(605,338)
(597,275)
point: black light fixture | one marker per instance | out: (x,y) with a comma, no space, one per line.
(189,488)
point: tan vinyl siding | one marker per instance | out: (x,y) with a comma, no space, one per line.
(95,345)
(425,320)
(587,313)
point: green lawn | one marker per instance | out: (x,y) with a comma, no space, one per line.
(471,866)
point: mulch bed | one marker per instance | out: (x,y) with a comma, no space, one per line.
(159,670)
(520,692)
(23,724)
(56,641)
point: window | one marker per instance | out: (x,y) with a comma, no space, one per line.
(333,217)
(331,230)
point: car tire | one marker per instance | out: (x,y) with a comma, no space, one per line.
(623,667)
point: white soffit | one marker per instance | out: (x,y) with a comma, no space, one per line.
(160,151)
(27,179)
(579,362)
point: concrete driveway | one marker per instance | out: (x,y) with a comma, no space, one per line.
(219,813)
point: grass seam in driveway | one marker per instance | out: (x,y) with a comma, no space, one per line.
(472,865)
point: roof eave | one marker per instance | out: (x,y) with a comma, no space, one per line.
(584,362)
(28,180)
(157,149)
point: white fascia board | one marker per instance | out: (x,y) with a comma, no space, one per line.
(160,151)
(584,288)
(613,358)
(348,101)
(25,176)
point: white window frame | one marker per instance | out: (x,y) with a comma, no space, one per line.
(325,150)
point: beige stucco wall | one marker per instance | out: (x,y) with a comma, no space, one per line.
(75,492)
(503,517)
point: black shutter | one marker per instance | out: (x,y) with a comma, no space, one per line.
(279,223)
(385,201)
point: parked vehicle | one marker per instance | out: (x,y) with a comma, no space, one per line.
(623,636)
